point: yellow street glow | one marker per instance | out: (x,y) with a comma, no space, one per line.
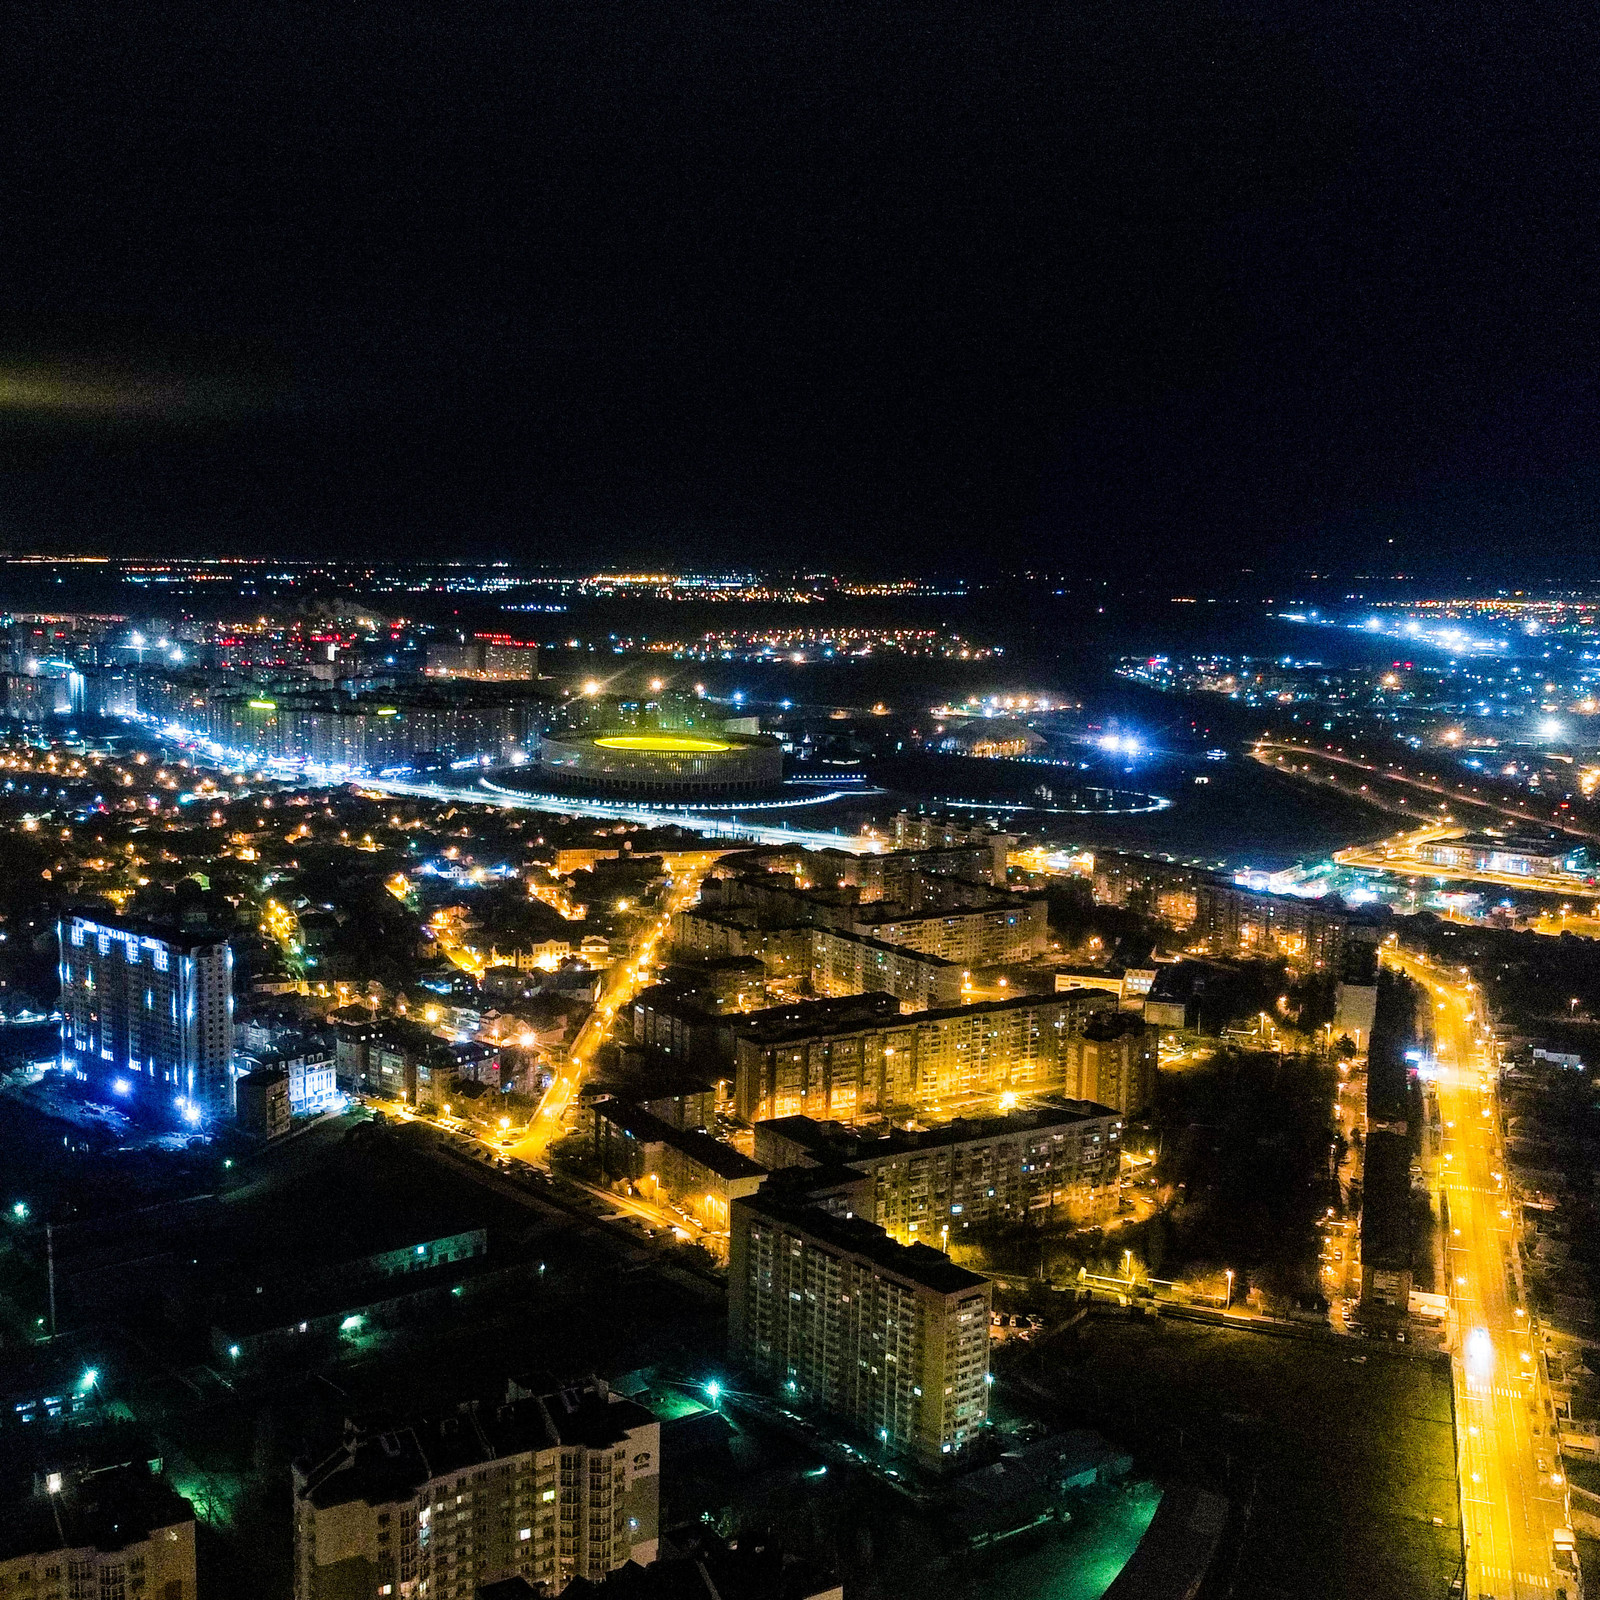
(663,743)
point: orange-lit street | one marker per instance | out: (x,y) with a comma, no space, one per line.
(1511,1501)
(623,981)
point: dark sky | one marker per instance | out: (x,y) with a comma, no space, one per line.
(1126,285)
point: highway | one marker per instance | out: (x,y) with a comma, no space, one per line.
(1272,753)
(1397,855)
(1510,1507)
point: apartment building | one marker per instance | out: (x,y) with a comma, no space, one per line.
(1164,889)
(895,874)
(679,1022)
(686,1165)
(550,1485)
(788,1062)
(1321,935)
(892,1338)
(118,1533)
(310,1078)
(1113,1062)
(830,961)
(150,1007)
(738,933)
(1003,929)
(931,1183)
(486,657)
(844,963)
(400,1059)
(363,734)
(917,831)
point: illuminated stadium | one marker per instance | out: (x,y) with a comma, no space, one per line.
(687,765)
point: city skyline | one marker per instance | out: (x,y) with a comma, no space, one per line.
(799,802)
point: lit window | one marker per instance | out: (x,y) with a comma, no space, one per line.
(549,1494)
(524,1533)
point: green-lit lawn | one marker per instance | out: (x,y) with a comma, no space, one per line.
(1078,1564)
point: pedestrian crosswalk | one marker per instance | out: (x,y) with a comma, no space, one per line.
(1496,1580)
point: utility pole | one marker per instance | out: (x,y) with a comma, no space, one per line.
(50,1260)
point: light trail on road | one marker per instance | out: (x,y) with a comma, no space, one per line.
(1503,1419)
(715,827)
(1270,753)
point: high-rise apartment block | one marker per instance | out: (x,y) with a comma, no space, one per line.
(440,722)
(1064,1157)
(118,1533)
(150,1006)
(894,1338)
(915,831)
(1113,1061)
(789,1062)
(1321,934)
(549,1486)
(1006,928)
(486,657)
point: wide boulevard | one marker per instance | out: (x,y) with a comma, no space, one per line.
(1511,1502)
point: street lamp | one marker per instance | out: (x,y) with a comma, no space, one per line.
(1229,1301)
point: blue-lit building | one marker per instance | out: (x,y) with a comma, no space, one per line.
(150,1008)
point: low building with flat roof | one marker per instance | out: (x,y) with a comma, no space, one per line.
(686,1165)
(1386,1228)
(1173,1558)
(318,1305)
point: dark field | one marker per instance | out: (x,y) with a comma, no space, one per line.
(1346,1462)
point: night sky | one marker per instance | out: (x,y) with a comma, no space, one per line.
(1133,287)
